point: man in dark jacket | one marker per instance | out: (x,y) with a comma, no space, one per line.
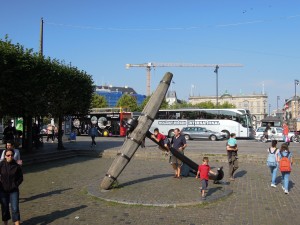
(9,133)
(11,177)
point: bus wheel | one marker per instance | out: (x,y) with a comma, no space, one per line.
(187,137)
(213,138)
(171,133)
(227,133)
(105,133)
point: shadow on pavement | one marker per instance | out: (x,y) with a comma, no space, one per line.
(291,184)
(47,194)
(145,179)
(213,190)
(55,164)
(51,217)
(240,173)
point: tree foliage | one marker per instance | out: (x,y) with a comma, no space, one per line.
(34,86)
(128,101)
(98,101)
(227,105)
(164,104)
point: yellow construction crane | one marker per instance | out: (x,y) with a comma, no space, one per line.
(148,67)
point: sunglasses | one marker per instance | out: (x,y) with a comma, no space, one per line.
(8,155)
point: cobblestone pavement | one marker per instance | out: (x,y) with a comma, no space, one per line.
(57,193)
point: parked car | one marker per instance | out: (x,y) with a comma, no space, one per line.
(201,132)
(276,134)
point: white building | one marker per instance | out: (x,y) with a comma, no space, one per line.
(171,97)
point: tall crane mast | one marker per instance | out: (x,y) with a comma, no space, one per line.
(149,66)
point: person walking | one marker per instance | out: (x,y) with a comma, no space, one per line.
(50,133)
(11,178)
(93,132)
(9,133)
(285,133)
(272,161)
(179,143)
(285,159)
(232,160)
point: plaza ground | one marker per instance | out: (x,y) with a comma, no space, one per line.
(58,192)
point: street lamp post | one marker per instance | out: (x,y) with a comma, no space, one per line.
(295,102)
(278,98)
(217,91)
(269,109)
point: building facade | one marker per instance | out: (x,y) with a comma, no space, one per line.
(256,103)
(291,113)
(113,94)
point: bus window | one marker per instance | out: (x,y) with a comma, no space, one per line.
(190,115)
(174,115)
(161,115)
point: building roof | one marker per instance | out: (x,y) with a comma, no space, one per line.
(171,94)
(231,96)
(110,88)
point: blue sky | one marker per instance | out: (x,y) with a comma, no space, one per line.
(100,37)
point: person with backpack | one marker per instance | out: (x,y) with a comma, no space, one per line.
(285,159)
(272,161)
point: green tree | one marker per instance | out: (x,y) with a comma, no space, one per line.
(98,101)
(35,86)
(164,104)
(182,104)
(227,105)
(128,101)
(206,105)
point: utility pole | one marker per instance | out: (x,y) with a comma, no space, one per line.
(296,103)
(278,98)
(217,91)
(41,37)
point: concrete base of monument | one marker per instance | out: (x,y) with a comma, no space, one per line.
(160,190)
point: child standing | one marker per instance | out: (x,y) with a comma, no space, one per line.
(204,170)
(285,159)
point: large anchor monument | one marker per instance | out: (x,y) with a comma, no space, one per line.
(139,129)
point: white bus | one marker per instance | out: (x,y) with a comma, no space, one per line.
(238,121)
